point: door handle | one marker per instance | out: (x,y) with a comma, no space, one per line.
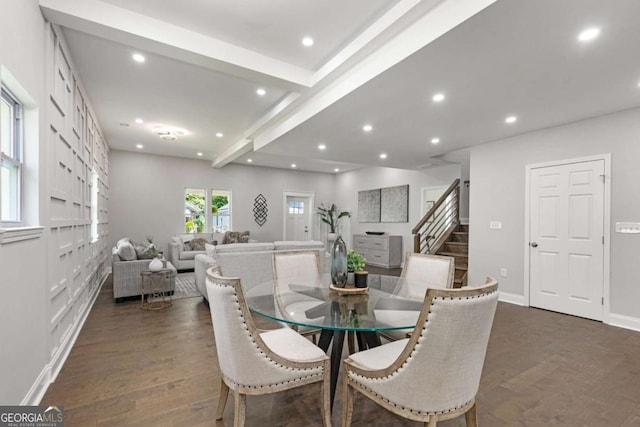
(533,244)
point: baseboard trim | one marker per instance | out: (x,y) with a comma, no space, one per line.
(511,298)
(51,370)
(622,321)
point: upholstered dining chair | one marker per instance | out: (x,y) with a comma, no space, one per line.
(303,266)
(434,375)
(420,271)
(254,362)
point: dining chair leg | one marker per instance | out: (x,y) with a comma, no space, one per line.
(326,400)
(239,409)
(347,402)
(432,422)
(222,400)
(471,417)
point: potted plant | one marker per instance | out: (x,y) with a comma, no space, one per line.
(331,216)
(355,264)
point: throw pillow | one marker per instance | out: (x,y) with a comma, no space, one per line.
(146,252)
(186,241)
(244,237)
(211,250)
(198,244)
(121,241)
(231,237)
(126,251)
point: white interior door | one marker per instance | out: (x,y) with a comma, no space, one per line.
(566,244)
(298,218)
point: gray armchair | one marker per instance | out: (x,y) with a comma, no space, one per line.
(126,276)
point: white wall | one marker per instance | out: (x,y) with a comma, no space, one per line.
(22,264)
(498,192)
(463,158)
(48,281)
(349,183)
(147,194)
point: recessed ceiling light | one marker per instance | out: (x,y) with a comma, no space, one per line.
(307,41)
(249,160)
(138,57)
(438,97)
(638,84)
(322,147)
(199,154)
(261,92)
(139,121)
(139,146)
(219,134)
(589,34)
(511,119)
(435,140)
(383,155)
(293,165)
(336,170)
(367,128)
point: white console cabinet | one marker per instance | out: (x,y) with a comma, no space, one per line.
(380,251)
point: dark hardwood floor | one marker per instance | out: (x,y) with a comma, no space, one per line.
(135,368)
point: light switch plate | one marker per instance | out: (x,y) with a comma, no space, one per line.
(495,225)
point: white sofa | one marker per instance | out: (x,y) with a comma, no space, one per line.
(184,259)
(251,262)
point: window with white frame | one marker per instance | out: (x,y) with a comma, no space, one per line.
(220,211)
(11,131)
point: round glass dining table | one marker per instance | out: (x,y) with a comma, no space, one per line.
(309,304)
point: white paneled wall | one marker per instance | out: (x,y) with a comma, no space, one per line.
(75,148)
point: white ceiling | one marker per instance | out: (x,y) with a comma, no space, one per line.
(205,60)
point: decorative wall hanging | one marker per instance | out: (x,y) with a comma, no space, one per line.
(369,205)
(389,204)
(260,210)
(394,204)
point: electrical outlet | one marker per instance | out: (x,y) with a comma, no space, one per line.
(503,272)
(495,225)
(628,227)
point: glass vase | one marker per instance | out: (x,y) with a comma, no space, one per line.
(339,263)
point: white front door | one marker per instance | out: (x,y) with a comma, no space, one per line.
(566,238)
(298,218)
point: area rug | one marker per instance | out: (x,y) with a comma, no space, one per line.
(186,286)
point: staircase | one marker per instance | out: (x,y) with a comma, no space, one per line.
(440,232)
(457,246)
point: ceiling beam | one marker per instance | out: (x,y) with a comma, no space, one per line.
(437,20)
(148,34)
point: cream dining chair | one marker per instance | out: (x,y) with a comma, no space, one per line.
(254,362)
(420,271)
(434,375)
(303,267)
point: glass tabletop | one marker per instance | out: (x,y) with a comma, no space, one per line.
(390,303)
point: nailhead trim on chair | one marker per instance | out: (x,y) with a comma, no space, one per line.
(418,342)
(268,386)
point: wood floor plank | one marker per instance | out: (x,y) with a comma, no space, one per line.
(131,367)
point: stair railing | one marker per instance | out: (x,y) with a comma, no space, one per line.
(439,222)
